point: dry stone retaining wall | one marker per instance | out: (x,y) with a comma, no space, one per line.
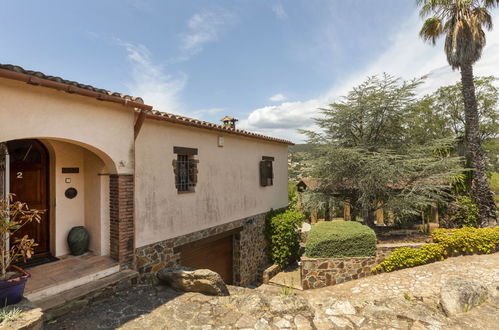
(322,272)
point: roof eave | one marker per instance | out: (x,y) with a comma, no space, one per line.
(29,79)
(217,128)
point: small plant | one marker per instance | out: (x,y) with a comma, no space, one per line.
(13,216)
(408,297)
(7,314)
(286,291)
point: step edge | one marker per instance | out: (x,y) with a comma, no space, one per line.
(56,289)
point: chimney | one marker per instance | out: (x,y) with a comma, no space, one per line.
(229,122)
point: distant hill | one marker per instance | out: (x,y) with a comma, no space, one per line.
(304,147)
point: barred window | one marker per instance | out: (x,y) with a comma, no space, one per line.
(185,169)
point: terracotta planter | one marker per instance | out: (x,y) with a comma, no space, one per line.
(11,291)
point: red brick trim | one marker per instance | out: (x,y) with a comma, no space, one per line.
(122,229)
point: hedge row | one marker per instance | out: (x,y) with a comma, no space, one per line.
(446,243)
(283,236)
(340,239)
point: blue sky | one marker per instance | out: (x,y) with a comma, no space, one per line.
(269,63)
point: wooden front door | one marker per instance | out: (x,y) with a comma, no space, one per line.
(29,183)
(216,256)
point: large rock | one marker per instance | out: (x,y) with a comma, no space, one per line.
(200,280)
(460,295)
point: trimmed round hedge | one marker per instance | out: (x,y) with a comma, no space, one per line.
(340,239)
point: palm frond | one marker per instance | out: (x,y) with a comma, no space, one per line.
(431,30)
(490,3)
(434,7)
(481,17)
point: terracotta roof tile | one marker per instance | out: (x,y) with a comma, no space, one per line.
(155,114)
(41,75)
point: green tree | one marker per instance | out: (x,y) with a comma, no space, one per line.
(463,23)
(406,183)
(372,115)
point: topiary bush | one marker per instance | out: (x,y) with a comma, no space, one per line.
(283,236)
(340,239)
(447,241)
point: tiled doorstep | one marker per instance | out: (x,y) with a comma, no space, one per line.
(64,286)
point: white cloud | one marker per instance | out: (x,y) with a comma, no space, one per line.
(150,81)
(407,57)
(204,27)
(277,98)
(279,11)
(282,120)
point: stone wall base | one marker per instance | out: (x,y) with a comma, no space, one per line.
(249,250)
(322,272)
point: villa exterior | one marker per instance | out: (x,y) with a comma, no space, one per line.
(153,189)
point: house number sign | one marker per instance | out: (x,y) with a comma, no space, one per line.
(19,175)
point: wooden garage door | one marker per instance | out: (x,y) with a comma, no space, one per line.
(216,256)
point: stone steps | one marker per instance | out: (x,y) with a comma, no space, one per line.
(78,297)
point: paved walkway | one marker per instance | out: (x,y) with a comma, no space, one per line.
(422,281)
(404,299)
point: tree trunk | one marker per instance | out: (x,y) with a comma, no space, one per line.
(480,190)
(369,220)
(327,212)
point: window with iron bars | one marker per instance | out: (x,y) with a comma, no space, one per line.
(185,169)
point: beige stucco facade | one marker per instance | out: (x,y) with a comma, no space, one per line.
(228,185)
(98,138)
(104,128)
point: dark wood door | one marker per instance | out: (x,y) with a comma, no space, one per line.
(29,183)
(215,256)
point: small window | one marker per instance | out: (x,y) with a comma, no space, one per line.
(266,171)
(185,169)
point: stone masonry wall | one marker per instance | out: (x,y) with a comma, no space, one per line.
(321,272)
(249,251)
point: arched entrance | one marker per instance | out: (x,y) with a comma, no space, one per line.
(29,182)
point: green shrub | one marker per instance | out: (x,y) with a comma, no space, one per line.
(464,240)
(340,239)
(283,236)
(467,212)
(409,257)
(468,239)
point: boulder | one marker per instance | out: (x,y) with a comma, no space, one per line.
(189,280)
(460,295)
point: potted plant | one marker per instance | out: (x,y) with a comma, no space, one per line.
(13,216)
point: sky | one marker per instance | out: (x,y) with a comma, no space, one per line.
(270,63)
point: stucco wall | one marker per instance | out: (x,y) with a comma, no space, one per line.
(228,185)
(28,111)
(96,203)
(68,212)
(90,208)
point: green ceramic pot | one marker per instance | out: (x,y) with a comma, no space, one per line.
(78,239)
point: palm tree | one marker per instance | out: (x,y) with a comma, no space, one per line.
(463,23)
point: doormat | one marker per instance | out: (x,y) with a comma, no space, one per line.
(36,261)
